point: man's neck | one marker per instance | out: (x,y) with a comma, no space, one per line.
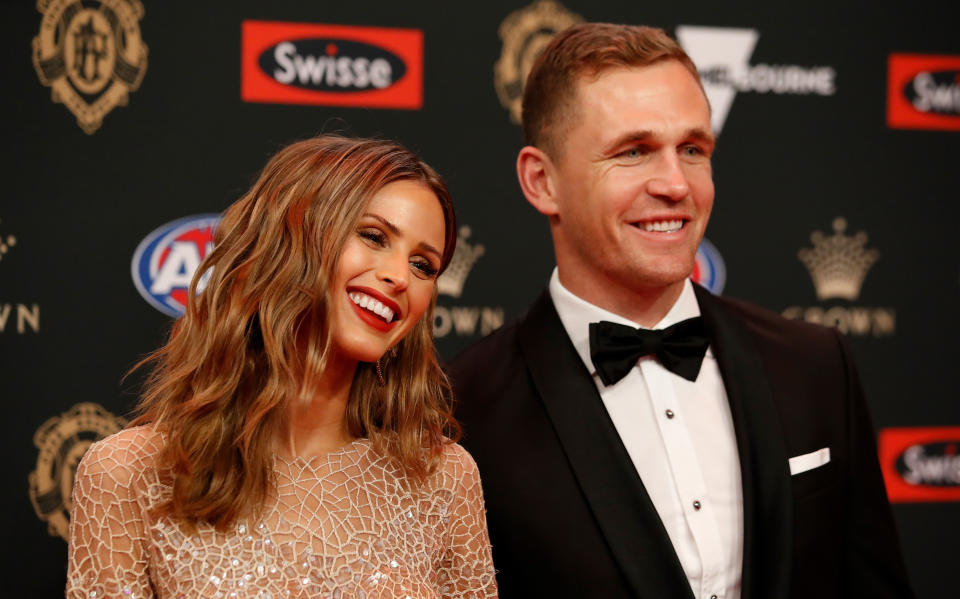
(645,306)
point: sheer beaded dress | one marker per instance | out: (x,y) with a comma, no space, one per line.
(340,526)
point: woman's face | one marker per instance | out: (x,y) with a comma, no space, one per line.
(387,271)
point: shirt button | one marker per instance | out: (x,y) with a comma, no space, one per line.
(696,504)
(669,413)
(713,597)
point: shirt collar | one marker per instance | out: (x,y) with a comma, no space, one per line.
(576,314)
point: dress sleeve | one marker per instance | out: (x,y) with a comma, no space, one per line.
(467,570)
(107,555)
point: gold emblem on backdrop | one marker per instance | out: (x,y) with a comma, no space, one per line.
(62,441)
(525,33)
(838,265)
(455,318)
(90,55)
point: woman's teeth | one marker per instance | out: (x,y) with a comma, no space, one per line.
(368,303)
(663,226)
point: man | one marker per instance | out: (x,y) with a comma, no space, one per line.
(737,459)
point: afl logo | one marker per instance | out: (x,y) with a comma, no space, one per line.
(165,261)
(709,269)
(333,65)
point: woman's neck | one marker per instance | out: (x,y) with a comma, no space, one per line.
(316,424)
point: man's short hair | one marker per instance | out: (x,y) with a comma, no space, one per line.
(586,50)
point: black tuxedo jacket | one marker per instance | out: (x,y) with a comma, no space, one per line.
(569,515)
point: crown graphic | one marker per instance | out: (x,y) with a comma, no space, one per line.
(452,280)
(838,263)
(6,242)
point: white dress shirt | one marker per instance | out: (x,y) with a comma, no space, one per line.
(679,435)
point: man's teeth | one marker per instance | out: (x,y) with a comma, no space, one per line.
(367,302)
(664,226)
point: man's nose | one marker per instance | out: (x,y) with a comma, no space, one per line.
(669,181)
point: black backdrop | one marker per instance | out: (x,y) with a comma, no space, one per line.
(75,206)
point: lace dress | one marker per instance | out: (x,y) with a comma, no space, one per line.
(341,526)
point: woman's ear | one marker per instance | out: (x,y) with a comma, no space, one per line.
(535,173)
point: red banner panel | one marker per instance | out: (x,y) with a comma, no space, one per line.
(332,65)
(921,464)
(923,92)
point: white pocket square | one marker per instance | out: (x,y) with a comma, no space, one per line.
(809,461)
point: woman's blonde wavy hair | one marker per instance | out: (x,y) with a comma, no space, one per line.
(255,337)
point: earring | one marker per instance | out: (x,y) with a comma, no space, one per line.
(380,374)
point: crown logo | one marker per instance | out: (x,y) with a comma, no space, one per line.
(838,263)
(452,280)
(6,242)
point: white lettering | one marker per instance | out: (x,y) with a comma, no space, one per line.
(360,70)
(933,97)
(381,74)
(310,69)
(344,74)
(4,314)
(283,54)
(344,71)
(924,469)
(781,79)
(181,263)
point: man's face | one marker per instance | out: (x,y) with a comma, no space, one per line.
(633,186)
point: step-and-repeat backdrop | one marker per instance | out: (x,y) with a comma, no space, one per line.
(128,125)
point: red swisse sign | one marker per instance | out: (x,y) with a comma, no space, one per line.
(332,65)
(921,464)
(923,92)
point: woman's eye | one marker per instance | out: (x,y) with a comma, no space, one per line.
(424,267)
(373,236)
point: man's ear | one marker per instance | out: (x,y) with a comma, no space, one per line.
(535,173)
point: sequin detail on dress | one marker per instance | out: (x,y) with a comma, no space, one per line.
(340,527)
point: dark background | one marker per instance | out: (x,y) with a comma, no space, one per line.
(786,165)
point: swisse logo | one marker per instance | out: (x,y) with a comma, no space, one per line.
(923,92)
(934,464)
(165,261)
(921,464)
(333,65)
(935,92)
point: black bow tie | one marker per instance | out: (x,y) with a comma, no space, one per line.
(615,348)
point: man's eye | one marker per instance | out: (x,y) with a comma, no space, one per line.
(633,153)
(693,150)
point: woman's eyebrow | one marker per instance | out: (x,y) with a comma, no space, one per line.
(396,231)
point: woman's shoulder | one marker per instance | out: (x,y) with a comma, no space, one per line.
(123,456)
(457,466)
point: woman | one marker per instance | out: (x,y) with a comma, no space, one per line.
(293,439)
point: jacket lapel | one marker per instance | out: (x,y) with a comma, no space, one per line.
(607,477)
(767,499)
